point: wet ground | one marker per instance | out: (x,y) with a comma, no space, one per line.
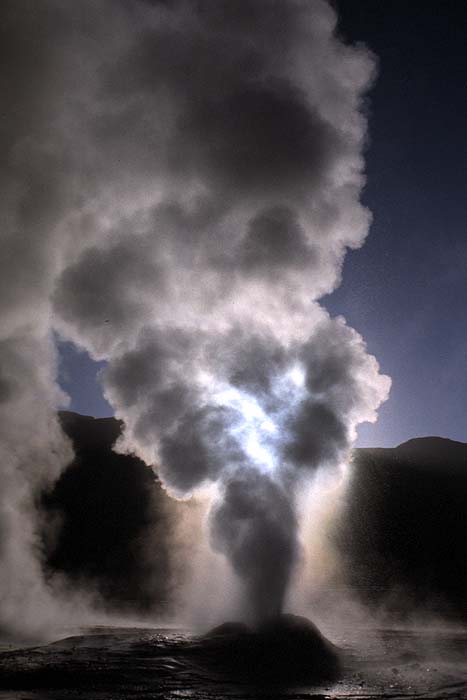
(125,663)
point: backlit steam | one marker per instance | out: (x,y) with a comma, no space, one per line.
(210,161)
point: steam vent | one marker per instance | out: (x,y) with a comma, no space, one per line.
(283,649)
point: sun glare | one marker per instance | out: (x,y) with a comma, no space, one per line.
(251,426)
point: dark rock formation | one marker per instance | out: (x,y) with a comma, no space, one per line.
(285,649)
(112,520)
(402,533)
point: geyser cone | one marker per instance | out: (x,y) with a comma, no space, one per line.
(285,649)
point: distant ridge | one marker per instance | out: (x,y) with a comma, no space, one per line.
(88,429)
(434,449)
(402,530)
(432,441)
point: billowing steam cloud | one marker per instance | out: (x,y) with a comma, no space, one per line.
(184,183)
(34,200)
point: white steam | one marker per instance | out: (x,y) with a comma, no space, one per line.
(183,182)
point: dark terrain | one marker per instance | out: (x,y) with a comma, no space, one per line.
(402,531)
(111,663)
(114,519)
(403,528)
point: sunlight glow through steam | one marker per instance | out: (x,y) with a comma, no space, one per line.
(253,428)
(258,432)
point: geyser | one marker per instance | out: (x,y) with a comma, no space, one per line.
(184,197)
(283,649)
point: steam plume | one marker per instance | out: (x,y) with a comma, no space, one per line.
(196,194)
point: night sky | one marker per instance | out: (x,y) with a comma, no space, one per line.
(405,289)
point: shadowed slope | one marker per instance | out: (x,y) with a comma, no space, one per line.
(402,526)
(113,520)
(403,529)
(283,649)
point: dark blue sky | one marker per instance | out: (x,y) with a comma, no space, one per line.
(78,376)
(406,289)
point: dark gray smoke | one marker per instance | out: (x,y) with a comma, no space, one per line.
(256,525)
(183,195)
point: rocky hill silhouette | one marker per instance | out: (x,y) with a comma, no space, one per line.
(113,520)
(401,534)
(403,528)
